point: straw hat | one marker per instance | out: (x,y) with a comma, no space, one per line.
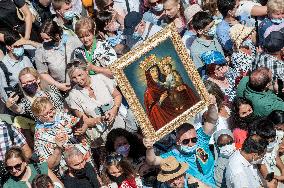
(170,169)
(239,32)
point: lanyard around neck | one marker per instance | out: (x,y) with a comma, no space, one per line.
(89,55)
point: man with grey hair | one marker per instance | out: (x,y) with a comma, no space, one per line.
(80,173)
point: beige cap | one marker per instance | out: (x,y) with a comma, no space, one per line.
(190,11)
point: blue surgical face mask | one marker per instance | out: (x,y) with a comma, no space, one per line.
(69,15)
(136,35)
(158,8)
(188,149)
(19,51)
(277,20)
(212,31)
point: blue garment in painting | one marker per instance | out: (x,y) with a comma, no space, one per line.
(204,157)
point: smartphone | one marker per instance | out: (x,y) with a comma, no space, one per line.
(270,176)
(16,89)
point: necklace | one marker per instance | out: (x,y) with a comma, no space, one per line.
(90,55)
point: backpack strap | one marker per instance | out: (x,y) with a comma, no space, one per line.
(7,74)
(37,168)
(127,5)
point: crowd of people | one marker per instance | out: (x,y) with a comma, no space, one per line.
(65,123)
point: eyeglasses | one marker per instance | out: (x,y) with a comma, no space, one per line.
(17,167)
(187,141)
(48,113)
(109,5)
(229,143)
(155,3)
(113,157)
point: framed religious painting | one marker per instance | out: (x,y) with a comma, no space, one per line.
(160,83)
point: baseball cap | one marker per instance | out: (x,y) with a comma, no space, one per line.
(190,11)
(212,56)
(274,42)
(131,20)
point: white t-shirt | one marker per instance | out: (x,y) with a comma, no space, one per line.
(241,174)
(244,13)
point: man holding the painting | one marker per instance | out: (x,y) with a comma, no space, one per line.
(192,148)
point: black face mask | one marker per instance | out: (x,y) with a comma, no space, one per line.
(249,119)
(150,179)
(49,44)
(79,173)
(118,179)
(31,88)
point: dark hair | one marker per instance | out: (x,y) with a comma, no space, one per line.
(102,19)
(254,144)
(11,37)
(225,5)
(128,170)
(277,117)
(41,181)
(183,128)
(210,6)
(52,30)
(137,149)
(259,79)
(200,20)
(16,152)
(215,90)
(263,128)
(101,4)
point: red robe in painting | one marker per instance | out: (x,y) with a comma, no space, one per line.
(159,115)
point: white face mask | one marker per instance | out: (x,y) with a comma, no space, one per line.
(227,150)
(158,8)
(271,145)
(258,161)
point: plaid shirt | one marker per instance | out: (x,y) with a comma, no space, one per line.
(5,141)
(269,61)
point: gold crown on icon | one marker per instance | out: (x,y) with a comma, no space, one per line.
(148,62)
(166,61)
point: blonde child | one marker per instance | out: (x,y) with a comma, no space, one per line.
(54,131)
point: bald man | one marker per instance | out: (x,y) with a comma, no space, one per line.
(256,88)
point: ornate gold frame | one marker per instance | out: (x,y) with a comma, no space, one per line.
(117,68)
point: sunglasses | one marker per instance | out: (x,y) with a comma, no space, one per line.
(17,167)
(229,143)
(155,3)
(111,158)
(192,140)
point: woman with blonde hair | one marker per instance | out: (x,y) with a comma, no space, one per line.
(275,12)
(97,53)
(243,39)
(31,88)
(96,99)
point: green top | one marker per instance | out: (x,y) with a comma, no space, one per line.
(11,183)
(90,55)
(263,102)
